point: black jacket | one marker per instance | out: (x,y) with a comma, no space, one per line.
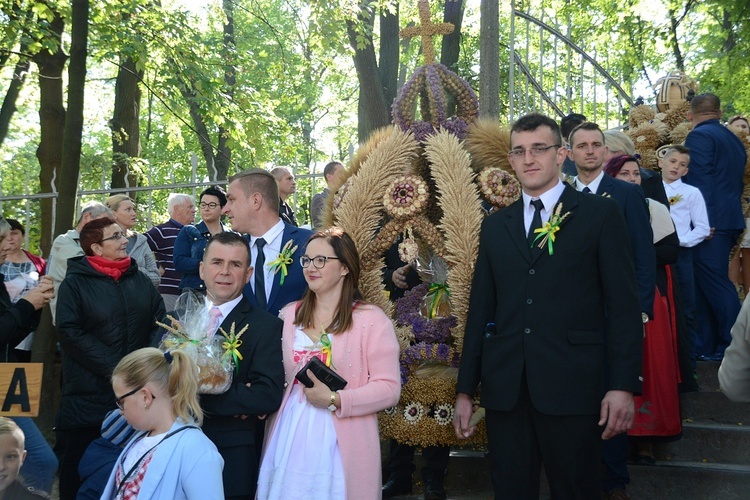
(16,321)
(99,321)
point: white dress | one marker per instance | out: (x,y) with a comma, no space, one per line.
(302,458)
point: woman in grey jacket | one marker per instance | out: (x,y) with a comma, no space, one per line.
(123,209)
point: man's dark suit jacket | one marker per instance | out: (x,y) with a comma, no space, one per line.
(261,366)
(634,208)
(549,311)
(717,166)
(294,283)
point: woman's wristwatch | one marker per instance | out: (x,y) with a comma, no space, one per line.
(332,406)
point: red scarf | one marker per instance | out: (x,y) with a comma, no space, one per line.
(112,268)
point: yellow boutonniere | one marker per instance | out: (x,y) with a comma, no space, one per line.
(232,344)
(547,231)
(284,259)
(675,199)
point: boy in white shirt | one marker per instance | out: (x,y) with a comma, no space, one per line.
(688,211)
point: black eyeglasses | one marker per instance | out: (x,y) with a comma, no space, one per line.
(534,150)
(211,205)
(118,401)
(319,261)
(117,236)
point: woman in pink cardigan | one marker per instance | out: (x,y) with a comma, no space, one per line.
(323,443)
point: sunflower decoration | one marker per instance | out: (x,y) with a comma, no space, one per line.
(405,197)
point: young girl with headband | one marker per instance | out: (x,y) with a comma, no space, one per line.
(170,457)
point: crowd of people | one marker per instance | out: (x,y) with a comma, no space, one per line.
(563,383)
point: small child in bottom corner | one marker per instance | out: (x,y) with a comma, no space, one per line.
(12,455)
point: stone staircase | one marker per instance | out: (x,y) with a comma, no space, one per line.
(711,461)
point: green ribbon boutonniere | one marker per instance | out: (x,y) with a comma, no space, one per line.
(232,344)
(325,349)
(284,259)
(547,231)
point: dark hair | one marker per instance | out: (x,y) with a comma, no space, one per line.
(14,224)
(532,121)
(256,180)
(330,168)
(568,123)
(346,251)
(615,164)
(585,126)
(705,104)
(215,191)
(93,232)
(229,238)
(679,148)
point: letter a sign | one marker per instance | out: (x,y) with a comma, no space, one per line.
(20,389)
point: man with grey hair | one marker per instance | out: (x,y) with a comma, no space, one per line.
(67,246)
(331,173)
(161,239)
(287,186)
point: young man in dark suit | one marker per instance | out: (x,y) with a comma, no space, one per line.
(258,384)
(553,334)
(252,208)
(588,151)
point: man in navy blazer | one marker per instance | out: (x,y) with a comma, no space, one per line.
(717,165)
(252,208)
(553,335)
(258,383)
(588,151)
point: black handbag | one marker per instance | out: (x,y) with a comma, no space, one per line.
(333,380)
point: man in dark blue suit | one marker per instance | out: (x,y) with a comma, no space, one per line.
(588,151)
(717,165)
(252,208)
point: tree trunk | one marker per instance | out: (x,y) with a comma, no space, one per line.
(9,103)
(125,124)
(373,109)
(223,158)
(49,154)
(389,55)
(451,47)
(489,59)
(189,94)
(674,41)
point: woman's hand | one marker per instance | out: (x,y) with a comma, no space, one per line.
(319,395)
(40,295)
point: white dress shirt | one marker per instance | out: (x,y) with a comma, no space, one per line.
(549,198)
(593,185)
(271,251)
(689,214)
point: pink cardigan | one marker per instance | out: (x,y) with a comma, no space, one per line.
(367,356)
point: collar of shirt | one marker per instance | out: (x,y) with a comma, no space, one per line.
(549,198)
(674,185)
(226,307)
(174,223)
(593,185)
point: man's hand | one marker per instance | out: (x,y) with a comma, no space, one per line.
(617,413)
(462,416)
(399,276)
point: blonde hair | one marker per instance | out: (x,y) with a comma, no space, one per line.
(114,201)
(178,378)
(8,426)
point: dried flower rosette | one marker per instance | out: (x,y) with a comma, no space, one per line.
(406,196)
(408,249)
(499,187)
